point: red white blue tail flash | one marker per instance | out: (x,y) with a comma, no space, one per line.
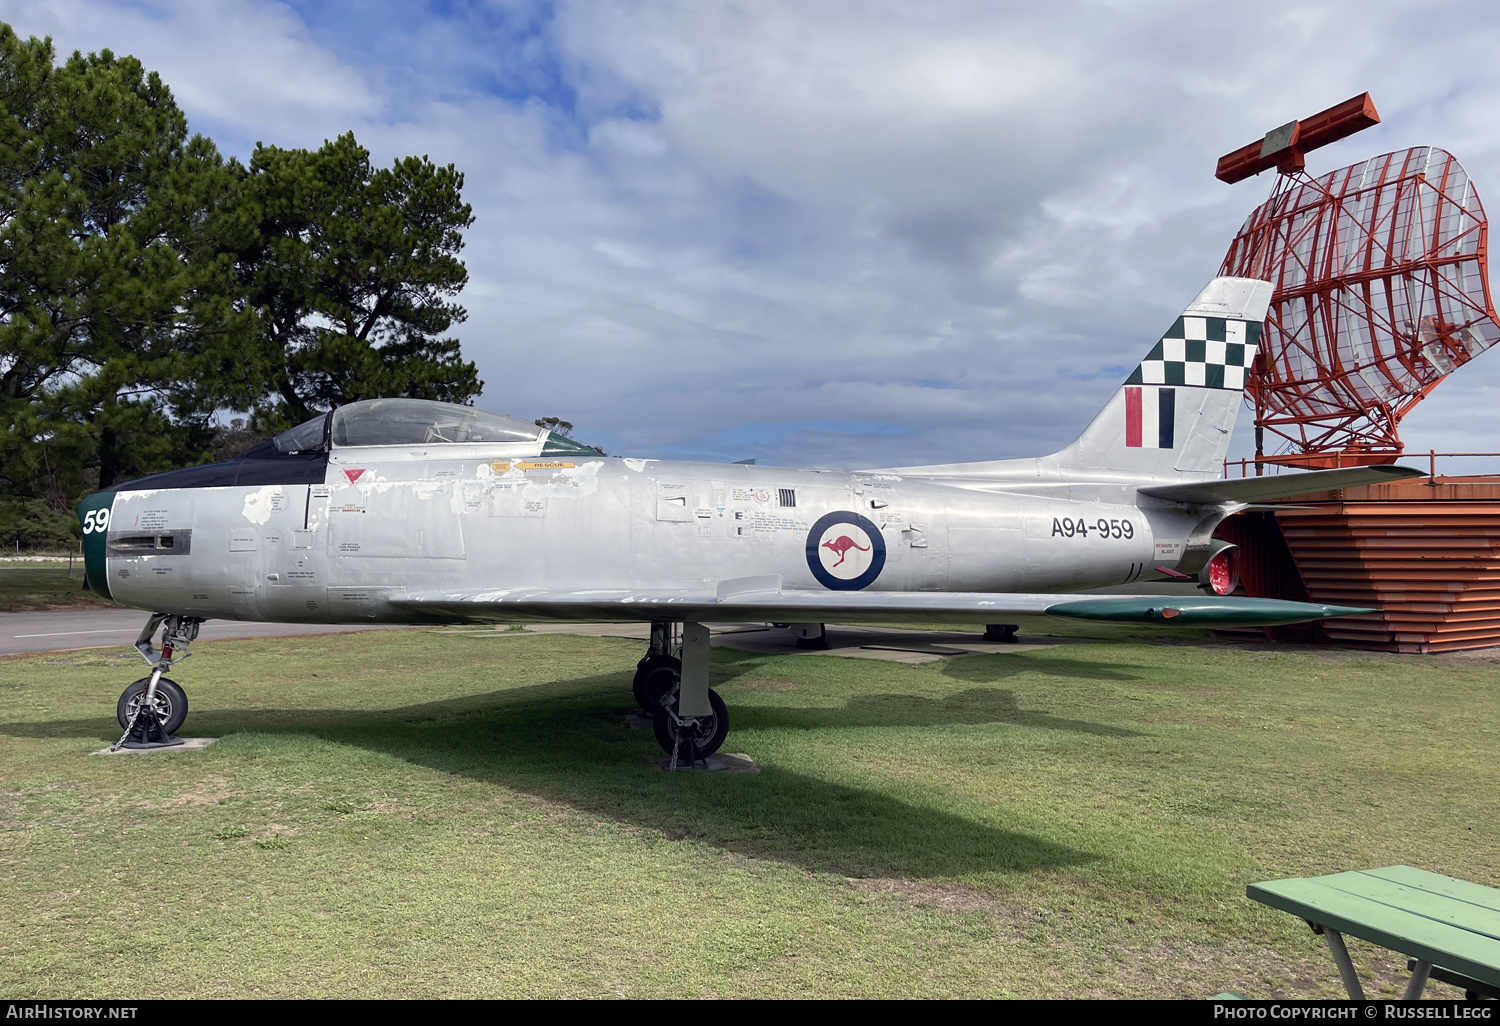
(1150,416)
(1174,414)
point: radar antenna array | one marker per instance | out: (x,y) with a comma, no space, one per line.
(1381,290)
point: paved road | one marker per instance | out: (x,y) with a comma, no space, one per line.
(95,628)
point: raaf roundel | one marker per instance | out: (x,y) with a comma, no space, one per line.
(845,551)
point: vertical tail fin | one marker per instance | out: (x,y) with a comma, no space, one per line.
(1175,412)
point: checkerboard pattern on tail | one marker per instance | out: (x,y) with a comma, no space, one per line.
(1203,352)
(1175,413)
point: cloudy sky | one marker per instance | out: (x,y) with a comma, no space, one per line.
(840,234)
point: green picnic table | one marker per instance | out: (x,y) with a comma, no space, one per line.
(1449,928)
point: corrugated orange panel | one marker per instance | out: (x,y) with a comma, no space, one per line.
(1427,554)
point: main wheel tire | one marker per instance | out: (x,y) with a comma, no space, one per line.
(708,734)
(650,683)
(171,704)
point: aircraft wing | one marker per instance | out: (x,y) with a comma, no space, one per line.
(761,600)
(1283,486)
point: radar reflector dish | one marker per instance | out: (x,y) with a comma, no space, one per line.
(1381,291)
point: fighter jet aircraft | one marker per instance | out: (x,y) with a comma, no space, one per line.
(408,511)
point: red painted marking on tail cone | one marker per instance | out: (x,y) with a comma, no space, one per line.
(841,546)
(354,473)
(1132,417)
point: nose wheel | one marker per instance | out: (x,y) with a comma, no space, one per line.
(170,704)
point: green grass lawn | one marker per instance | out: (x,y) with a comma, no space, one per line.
(419,814)
(44,586)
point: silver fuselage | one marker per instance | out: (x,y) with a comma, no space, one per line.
(388,521)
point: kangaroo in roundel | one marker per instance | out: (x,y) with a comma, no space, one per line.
(841,546)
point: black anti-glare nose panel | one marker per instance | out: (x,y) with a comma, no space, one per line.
(280,469)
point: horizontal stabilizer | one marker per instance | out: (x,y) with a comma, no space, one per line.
(764,606)
(1282,486)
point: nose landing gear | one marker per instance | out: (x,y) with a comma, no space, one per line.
(154,707)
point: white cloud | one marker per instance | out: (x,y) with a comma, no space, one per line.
(939,218)
(246,66)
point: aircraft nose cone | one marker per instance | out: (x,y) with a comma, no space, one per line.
(93,516)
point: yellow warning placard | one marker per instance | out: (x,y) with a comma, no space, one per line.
(503,466)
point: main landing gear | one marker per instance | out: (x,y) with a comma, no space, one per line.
(1005,633)
(689,719)
(154,708)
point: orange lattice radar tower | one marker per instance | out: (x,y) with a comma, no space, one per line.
(1381,288)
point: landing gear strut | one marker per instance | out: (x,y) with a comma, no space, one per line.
(690,721)
(154,707)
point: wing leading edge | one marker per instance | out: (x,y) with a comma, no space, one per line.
(755,600)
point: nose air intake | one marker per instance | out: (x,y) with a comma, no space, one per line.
(93,514)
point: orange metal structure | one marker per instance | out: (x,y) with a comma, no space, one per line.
(1284,148)
(1381,292)
(1426,554)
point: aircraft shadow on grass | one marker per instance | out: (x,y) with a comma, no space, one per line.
(567,741)
(986,669)
(729,664)
(973,706)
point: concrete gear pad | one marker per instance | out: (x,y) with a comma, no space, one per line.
(737,762)
(189,744)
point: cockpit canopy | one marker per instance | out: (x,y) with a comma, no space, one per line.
(301,455)
(309,436)
(423,422)
(404,422)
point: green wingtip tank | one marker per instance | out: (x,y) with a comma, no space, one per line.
(1200,612)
